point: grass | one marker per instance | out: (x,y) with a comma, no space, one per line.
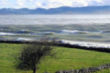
(104,71)
(65,59)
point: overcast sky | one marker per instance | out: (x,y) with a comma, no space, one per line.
(50,3)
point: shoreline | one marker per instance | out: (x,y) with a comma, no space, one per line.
(100,47)
(62,41)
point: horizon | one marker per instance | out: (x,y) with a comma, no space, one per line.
(58,7)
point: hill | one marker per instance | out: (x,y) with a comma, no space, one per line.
(59,10)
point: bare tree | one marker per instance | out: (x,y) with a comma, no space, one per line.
(32,54)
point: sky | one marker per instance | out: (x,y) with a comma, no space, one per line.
(32,4)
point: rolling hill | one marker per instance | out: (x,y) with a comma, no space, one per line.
(60,10)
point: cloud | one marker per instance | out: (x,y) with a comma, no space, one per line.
(51,3)
(21,2)
(3,2)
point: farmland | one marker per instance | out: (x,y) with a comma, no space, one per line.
(64,59)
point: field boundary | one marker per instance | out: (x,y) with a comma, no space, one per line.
(86,70)
(100,49)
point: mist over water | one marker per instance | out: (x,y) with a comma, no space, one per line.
(92,28)
(54,19)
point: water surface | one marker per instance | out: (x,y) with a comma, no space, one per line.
(92,28)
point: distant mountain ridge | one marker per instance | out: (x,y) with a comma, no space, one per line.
(59,10)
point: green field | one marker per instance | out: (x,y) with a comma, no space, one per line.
(65,59)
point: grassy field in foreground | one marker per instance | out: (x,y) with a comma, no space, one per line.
(65,59)
(104,71)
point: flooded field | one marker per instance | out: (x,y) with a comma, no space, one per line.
(92,28)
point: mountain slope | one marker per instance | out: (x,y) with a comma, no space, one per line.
(60,10)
